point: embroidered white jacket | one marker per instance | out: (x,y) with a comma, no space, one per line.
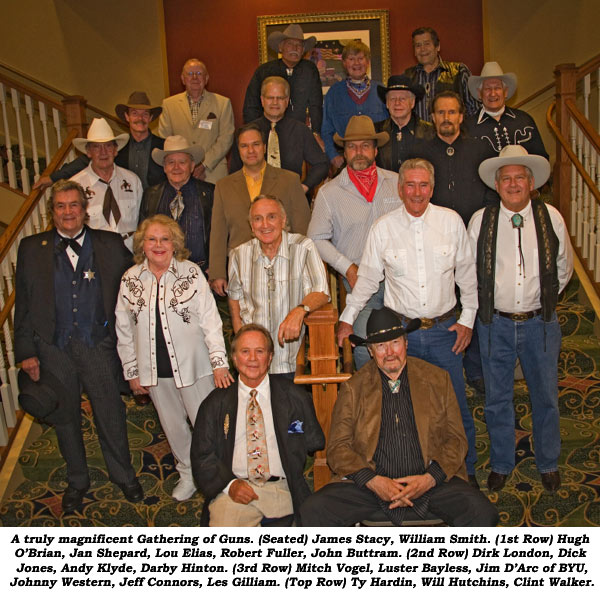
(190,322)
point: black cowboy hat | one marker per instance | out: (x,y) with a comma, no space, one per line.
(385,325)
(399,82)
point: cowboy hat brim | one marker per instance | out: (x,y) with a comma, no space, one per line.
(196,152)
(381,137)
(388,334)
(509,79)
(121,110)
(121,140)
(539,166)
(277,37)
(417,90)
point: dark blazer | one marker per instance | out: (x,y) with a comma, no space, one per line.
(214,437)
(34,290)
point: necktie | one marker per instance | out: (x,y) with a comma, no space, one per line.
(176,206)
(517,223)
(110,205)
(273,155)
(66,242)
(256,442)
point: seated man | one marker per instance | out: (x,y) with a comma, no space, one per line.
(251,440)
(396,444)
(272,273)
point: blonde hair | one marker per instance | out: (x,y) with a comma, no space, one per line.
(180,252)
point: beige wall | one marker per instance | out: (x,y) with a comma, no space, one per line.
(530,37)
(85,47)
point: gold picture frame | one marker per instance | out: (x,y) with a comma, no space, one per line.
(332,29)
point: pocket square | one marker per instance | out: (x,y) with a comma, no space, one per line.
(211,116)
(296,427)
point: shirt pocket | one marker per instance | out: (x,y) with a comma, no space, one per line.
(444,257)
(396,260)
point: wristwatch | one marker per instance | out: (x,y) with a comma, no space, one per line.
(304,307)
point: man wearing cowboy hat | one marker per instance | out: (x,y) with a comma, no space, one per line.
(422,253)
(354,95)
(302,75)
(138,112)
(403,125)
(524,260)
(396,445)
(114,193)
(203,118)
(347,206)
(436,75)
(497,124)
(182,197)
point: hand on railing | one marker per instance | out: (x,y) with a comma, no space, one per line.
(43,182)
(344,331)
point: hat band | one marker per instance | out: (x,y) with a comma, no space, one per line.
(398,87)
(385,330)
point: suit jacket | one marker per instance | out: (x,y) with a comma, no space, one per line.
(230,226)
(34,291)
(214,437)
(176,118)
(356,420)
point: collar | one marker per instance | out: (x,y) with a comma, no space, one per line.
(506,111)
(145,270)
(263,388)
(441,66)
(283,251)
(523,212)
(79,239)
(200,99)
(188,185)
(95,177)
(261,174)
(411,124)
(407,219)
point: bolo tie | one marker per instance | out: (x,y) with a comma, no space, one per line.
(517,223)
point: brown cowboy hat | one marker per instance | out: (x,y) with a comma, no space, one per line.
(137,100)
(293,31)
(361,128)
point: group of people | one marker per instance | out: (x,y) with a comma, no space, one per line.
(451,263)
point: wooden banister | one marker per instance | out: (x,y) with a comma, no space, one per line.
(584,124)
(11,83)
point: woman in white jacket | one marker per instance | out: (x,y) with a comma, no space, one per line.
(170,336)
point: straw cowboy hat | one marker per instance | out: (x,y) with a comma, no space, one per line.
(361,128)
(100,132)
(492,70)
(137,100)
(399,82)
(515,155)
(178,144)
(293,31)
(385,325)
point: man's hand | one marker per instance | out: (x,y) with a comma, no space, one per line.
(222,377)
(352,275)
(137,388)
(241,491)
(304,188)
(386,488)
(219,286)
(344,330)
(31,365)
(43,182)
(463,337)
(290,328)
(337,162)
(200,172)
(410,488)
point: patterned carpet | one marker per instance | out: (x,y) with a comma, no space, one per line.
(34,494)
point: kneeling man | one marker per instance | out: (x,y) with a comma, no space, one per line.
(251,440)
(397,443)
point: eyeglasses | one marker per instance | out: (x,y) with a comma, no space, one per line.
(192,73)
(153,241)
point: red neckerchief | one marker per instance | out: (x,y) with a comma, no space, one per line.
(365,181)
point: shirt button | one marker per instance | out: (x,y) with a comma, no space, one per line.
(75,323)
(73,282)
(74,309)
(74,296)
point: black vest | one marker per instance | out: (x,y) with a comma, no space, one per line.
(78,297)
(486,260)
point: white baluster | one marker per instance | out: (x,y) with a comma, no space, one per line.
(24,172)
(597,267)
(10,164)
(56,122)
(44,122)
(8,399)
(34,151)
(586,96)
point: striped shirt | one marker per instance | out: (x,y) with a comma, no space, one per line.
(268,289)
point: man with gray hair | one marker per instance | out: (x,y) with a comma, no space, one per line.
(275,280)
(290,142)
(203,118)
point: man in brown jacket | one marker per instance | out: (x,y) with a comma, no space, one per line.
(235,193)
(397,444)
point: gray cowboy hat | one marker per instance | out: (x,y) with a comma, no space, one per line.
(493,70)
(515,155)
(293,31)
(178,144)
(100,132)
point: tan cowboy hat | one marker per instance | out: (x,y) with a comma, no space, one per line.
(137,100)
(515,155)
(361,128)
(493,70)
(178,144)
(100,132)
(293,31)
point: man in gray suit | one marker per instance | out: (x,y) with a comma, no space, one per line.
(203,118)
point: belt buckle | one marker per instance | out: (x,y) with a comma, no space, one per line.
(519,317)
(426,323)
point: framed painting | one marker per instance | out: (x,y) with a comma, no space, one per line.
(333,30)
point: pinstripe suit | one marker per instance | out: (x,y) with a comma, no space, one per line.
(96,369)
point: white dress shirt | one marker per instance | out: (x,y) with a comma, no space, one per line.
(73,256)
(421,260)
(127,190)
(517,287)
(239,464)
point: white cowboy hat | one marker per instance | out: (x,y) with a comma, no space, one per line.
(493,70)
(515,155)
(100,132)
(178,144)
(293,31)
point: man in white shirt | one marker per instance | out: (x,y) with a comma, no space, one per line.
(422,251)
(114,194)
(524,260)
(251,440)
